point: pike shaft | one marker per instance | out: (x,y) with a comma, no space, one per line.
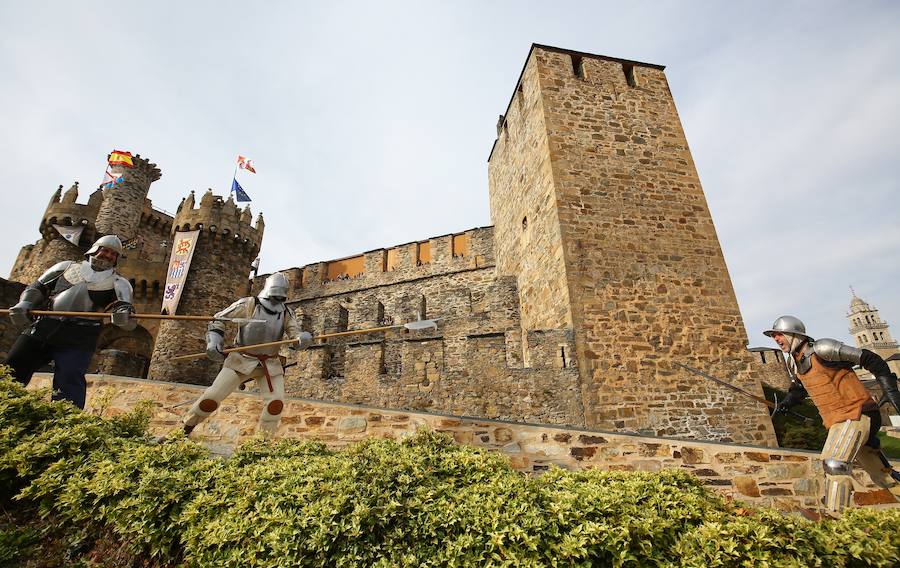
(287,342)
(107,314)
(727,385)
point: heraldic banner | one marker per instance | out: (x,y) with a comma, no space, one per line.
(179,263)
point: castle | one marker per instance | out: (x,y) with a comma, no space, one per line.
(602,269)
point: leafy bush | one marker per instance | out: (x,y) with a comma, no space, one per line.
(425,501)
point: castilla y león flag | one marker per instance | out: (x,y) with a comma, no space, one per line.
(245,164)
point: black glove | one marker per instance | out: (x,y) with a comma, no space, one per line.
(791,399)
(889,386)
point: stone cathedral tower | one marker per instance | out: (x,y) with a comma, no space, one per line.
(871,332)
(599,213)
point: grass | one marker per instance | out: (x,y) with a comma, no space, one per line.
(890,445)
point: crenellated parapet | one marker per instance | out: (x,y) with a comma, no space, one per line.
(222,219)
(156,220)
(445,254)
(63,210)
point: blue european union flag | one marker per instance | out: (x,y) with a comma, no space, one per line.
(239,191)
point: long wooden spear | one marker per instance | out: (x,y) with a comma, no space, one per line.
(768,403)
(105,315)
(413,326)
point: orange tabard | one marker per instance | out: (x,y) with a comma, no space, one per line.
(836,392)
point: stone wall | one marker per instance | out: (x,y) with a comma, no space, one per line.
(774,369)
(527,231)
(472,365)
(312,282)
(756,475)
(624,222)
(9,296)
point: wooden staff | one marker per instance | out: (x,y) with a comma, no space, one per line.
(415,325)
(138,316)
(768,403)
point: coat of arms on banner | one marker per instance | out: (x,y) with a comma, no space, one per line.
(179,266)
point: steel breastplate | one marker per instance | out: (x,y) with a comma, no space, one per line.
(271,306)
(271,329)
(76,291)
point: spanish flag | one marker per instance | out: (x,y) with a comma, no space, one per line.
(120,158)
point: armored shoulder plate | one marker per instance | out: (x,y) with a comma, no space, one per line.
(239,309)
(123,289)
(834,351)
(54,272)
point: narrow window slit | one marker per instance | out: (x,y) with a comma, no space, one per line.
(578,66)
(628,69)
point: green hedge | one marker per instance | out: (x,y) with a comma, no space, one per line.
(422,502)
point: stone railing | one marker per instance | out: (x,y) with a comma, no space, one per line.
(786,479)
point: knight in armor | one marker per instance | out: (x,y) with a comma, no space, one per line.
(91,285)
(823,370)
(263,364)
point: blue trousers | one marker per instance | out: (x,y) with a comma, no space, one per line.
(28,354)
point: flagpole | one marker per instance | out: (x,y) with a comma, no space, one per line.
(233,177)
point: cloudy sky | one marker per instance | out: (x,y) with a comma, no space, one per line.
(371,122)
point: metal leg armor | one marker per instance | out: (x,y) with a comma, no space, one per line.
(273,403)
(841,447)
(227,381)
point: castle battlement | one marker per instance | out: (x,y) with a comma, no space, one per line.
(143,173)
(65,211)
(222,219)
(437,256)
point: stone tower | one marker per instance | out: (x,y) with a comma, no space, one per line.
(871,332)
(52,248)
(218,275)
(599,213)
(120,211)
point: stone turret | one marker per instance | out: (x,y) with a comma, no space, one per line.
(120,212)
(62,210)
(226,247)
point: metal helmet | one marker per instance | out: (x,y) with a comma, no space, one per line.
(277,286)
(111,242)
(788,325)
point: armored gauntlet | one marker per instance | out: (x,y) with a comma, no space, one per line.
(214,342)
(304,340)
